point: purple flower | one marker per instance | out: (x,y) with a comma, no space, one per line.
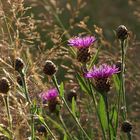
(81,42)
(49,95)
(103,71)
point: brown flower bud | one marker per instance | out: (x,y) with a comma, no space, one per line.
(19,64)
(4,85)
(122,32)
(49,68)
(71,94)
(126,127)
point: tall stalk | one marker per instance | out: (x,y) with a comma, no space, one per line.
(68,108)
(64,126)
(6,102)
(95,105)
(107,114)
(123,78)
(26,92)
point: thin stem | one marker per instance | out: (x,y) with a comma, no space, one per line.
(48,129)
(76,120)
(95,104)
(129,136)
(32,123)
(25,87)
(107,114)
(6,102)
(118,110)
(123,77)
(26,92)
(63,123)
(68,108)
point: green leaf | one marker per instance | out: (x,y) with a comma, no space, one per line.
(112,132)
(94,58)
(65,137)
(114,117)
(102,113)
(83,84)
(116,82)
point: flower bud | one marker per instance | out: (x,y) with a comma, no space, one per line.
(71,94)
(49,68)
(122,32)
(4,85)
(126,127)
(19,64)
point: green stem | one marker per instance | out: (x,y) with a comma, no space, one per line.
(62,122)
(95,104)
(123,78)
(107,114)
(32,123)
(26,92)
(118,111)
(68,108)
(129,136)
(6,102)
(48,129)
(25,87)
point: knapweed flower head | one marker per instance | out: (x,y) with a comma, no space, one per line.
(101,76)
(103,71)
(52,98)
(49,95)
(81,42)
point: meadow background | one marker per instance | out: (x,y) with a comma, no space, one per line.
(37,30)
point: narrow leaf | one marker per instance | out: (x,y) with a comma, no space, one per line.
(94,58)
(102,113)
(116,82)
(83,84)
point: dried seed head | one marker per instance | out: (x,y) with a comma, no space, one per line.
(53,104)
(4,85)
(122,32)
(19,64)
(126,127)
(19,80)
(49,68)
(102,84)
(83,55)
(71,94)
